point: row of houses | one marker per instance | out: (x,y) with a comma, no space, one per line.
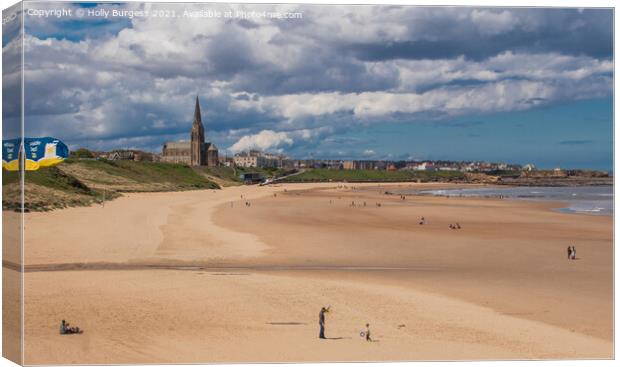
(260,159)
(408,165)
(460,166)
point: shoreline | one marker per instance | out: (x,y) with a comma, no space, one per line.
(561,205)
(124,192)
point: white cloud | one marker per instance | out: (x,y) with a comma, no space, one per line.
(493,22)
(264,140)
(504,95)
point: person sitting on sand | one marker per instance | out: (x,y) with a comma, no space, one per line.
(66,329)
(322,321)
(458,226)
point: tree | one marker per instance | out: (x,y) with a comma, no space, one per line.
(82,153)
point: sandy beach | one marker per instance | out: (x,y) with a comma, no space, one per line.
(199,276)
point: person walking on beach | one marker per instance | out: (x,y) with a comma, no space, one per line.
(322,321)
(570,252)
(368,339)
(574,254)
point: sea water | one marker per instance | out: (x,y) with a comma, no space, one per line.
(596,200)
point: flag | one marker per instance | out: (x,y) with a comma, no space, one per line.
(38,152)
(10,154)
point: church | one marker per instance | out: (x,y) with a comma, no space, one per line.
(195,152)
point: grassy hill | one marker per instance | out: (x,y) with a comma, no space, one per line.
(84,182)
(359,175)
(46,189)
(130,176)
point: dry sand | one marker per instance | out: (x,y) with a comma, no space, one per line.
(250,281)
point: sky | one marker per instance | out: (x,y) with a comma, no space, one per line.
(516,85)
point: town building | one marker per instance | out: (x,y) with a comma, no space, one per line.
(366,165)
(120,155)
(256,158)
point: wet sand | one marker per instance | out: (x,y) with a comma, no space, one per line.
(249,281)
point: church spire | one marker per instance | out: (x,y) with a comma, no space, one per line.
(197,117)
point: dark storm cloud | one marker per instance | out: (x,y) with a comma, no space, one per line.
(11,79)
(11,70)
(566,31)
(11,25)
(230,54)
(319,74)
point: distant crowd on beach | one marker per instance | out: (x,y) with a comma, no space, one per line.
(361,204)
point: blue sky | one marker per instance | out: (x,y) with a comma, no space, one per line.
(363,82)
(577,135)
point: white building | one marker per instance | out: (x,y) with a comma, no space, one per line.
(255,158)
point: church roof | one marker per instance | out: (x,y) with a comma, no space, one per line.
(197,117)
(177,145)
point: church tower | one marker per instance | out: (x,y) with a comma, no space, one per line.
(197,139)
